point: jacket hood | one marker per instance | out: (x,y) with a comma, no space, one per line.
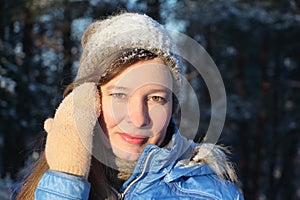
(215,158)
(183,157)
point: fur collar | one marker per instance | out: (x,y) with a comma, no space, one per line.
(215,157)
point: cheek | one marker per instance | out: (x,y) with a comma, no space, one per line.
(160,117)
(112,114)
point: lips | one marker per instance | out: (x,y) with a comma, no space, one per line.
(132,139)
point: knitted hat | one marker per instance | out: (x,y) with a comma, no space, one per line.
(108,37)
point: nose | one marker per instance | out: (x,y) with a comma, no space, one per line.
(138,113)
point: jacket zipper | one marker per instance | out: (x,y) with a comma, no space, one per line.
(121,195)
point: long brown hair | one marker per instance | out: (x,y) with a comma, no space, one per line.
(97,178)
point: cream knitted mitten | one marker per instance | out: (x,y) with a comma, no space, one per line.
(70,133)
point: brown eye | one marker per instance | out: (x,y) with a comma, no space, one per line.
(157,99)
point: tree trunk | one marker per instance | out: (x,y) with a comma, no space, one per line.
(67,45)
(14,135)
(153,10)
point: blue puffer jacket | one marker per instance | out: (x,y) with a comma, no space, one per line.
(177,172)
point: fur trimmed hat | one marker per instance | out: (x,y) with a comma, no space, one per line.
(108,37)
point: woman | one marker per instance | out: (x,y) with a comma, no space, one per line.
(113,136)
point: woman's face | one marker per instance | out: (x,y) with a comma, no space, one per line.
(137,107)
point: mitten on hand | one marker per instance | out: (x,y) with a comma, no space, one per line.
(70,133)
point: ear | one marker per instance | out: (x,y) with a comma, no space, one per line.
(48,124)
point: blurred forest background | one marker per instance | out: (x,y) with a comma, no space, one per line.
(255,44)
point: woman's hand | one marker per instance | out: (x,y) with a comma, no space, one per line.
(70,133)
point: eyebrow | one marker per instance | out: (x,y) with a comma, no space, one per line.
(113,87)
(161,90)
(121,88)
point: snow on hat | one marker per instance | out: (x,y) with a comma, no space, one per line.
(119,33)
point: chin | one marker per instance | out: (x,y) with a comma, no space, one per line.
(126,155)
